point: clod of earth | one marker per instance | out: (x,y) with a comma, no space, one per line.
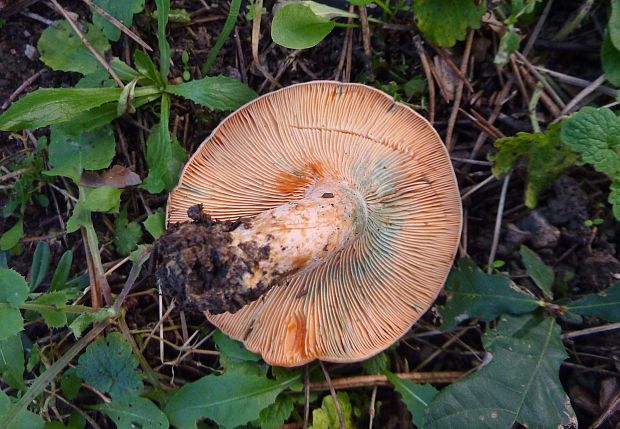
(336,216)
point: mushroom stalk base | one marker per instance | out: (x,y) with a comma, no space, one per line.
(222,266)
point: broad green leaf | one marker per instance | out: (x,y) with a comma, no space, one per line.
(233,349)
(605,304)
(230,400)
(54,318)
(415,396)
(217,93)
(610,60)
(105,199)
(378,364)
(545,155)
(595,135)
(12,362)
(70,383)
(40,265)
(61,48)
(146,67)
(98,79)
(12,236)
(614,24)
(508,45)
(614,196)
(296,26)
(109,365)
(24,419)
(163,10)
(519,385)
(127,234)
(69,155)
(276,414)
(326,417)
(11,322)
(473,293)
(50,106)
(13,288)
(124,70)
(444,22)
(542,275)
(135,412)
(61,275)
(121,10)
(155,224)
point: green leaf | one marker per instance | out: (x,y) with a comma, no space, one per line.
(40,265)
(326,417)
(610,60)
(24,419)
(106,199)
(98,79)
(127,234)
(155,224)
(11,237)
(163,156)
(231,18)
(83,321)
(444,22)
(11,322)
(276,414)
(614,196)
(595,135)
(519,385)
(216,93)
(473,293)
(53,318)
(135,412)
(146,67)
(12,362)
(121,10)
(109,365)
(70,383)
(61,48)
(230,400)
(545,155)
(416,397)
(614,24)
(329,12)
(61,275)
(378,364)
(69,155)
(124,70)
(296,26)
(542,275)
(13,288)
(605,304)
(233,349)
(50,106)
(163,10)
(508,45)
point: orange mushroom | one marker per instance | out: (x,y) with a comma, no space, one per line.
(337,219)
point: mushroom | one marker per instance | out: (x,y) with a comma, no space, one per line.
(326,217)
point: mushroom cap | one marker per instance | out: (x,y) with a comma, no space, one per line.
(366,296)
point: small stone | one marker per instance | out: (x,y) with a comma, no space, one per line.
(543,234)
(31,52)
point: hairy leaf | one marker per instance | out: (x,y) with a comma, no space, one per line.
(135,412)
(121,10)
(155,224)
(61,48)
(230,400)
(326,417)
(605,304)
(473,293)
(12,362)
(542,275)
(446,21)
(109,365)
(24,419)
(217,93)
(519,385)
(296,26)
(415,396)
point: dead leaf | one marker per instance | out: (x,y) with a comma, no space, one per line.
(117,176)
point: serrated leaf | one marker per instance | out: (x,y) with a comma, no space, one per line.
(595,135)
(135,412)
(605,304)
(12,236)
(217,93)
(69,155)
(40,265)
(50,106)
(519,385)
(54,318)
(61,48)
(127,234)
(326,417)
(545,155)
(296,26)
(610,60)
(444,22)
(230,400)
(13,288)
(473,293)
(24,419)
(12,362)
(276,414)
(155,224)
(109,365)
(542,275)
(121,10)
(416,397)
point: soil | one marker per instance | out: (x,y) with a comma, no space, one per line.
(584,258)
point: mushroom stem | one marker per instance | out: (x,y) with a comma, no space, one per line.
(222,266)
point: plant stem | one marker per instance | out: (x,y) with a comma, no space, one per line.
(235,6)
